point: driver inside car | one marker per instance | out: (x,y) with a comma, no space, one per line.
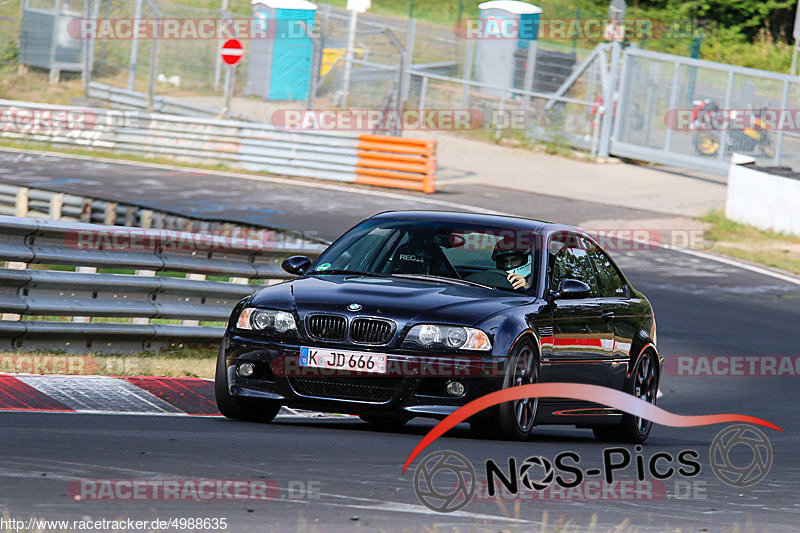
(515,263)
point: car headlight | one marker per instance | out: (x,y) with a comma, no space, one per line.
(266,320)
(458,337)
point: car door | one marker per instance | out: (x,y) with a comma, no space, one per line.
(618,308)
(582,339)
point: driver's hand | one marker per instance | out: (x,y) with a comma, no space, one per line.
(517,281)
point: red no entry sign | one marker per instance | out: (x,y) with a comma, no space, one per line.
(232,52)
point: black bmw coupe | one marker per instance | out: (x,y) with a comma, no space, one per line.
(415,313)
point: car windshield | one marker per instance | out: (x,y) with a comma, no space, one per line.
(496,257)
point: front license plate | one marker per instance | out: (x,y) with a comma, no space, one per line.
(343,360)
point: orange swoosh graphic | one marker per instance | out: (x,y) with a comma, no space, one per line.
(577,391)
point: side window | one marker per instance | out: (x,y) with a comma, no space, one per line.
(569,261)
(612,284)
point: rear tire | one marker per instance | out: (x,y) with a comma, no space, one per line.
(706,143)
(245,409)
(644,385)
(513,420)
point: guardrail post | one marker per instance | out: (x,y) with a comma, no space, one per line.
(84,270)
(158,220)
(145,218)
(130,216)
(13,265)
(110,214)
(151,273)
(21,203)
(199,277)
(86,211)
(56,203)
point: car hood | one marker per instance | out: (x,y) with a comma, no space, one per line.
(403,300)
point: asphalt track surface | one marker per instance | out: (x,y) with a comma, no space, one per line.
(703,307)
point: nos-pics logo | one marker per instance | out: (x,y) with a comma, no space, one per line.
(445,481)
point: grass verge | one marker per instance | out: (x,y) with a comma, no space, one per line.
(752,244)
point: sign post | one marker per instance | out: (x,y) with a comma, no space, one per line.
(231,54)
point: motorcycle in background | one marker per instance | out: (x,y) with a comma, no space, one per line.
(752,139)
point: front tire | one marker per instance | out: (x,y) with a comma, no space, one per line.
(514,420)
(644,385)
(246,409)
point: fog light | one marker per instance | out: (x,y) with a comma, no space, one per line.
(455,388)
(246,370)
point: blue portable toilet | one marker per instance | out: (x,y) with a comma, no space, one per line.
(279,66)
(497,57)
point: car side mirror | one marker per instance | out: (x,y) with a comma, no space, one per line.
(573,289)
(297,265)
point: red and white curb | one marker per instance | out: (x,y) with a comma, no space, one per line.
(140,395)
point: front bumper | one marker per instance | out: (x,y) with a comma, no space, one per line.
(414,383)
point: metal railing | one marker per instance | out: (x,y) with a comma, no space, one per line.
(652,85)
(250,146)
(34,284)
(121,98)
(22,201)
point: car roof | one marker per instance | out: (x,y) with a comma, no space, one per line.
(508,221)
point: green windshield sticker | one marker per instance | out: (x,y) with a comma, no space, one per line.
(324,266)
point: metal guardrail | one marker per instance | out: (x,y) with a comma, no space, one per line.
(28,292)
(126,99)
(21,201)
(367,159)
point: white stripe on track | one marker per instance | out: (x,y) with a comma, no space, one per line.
(99,394)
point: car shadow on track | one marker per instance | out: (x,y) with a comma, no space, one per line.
(421,427)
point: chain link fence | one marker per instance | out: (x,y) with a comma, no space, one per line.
(559,92)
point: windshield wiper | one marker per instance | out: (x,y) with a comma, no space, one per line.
(348,272)
(430,277)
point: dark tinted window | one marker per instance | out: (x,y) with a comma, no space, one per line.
(429,248)
(612,283)
(568,260)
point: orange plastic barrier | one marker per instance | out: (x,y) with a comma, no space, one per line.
(396,162)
